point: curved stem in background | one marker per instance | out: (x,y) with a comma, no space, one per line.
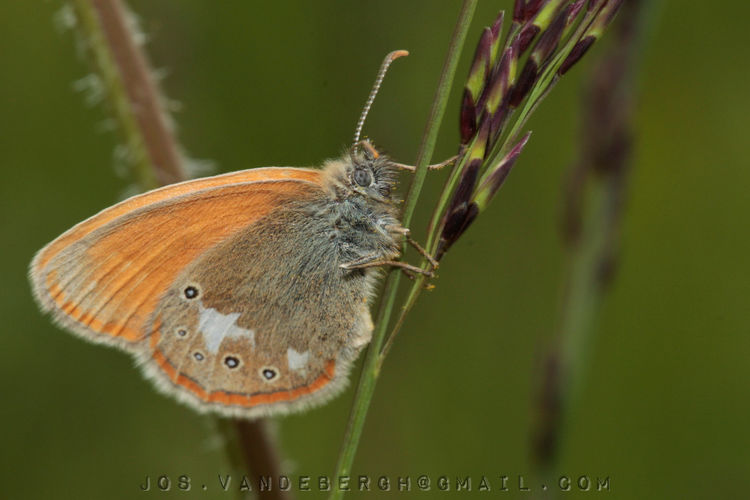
(593,215)
(135,100)
(373,360)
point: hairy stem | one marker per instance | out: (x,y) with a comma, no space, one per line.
(91,27)
(373,360)
(131,91)
(135,100)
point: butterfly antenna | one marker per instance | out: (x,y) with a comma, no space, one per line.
(378,81)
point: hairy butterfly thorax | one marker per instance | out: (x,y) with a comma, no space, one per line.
(363,212)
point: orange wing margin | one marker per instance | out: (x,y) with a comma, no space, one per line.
(238,399)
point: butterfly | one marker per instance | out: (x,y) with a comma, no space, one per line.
(244,294)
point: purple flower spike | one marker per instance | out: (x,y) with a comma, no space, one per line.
(468,117)
(576,54)
(532,7)
(526,36)
(551,36)
(507,80)
(497,26)
(456,224)
(498,175)
(475,84)
(526,80)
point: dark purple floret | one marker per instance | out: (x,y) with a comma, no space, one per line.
(576,54)
(468,117)
(526,80)
(526,36)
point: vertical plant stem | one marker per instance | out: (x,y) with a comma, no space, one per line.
(133,92)
(252,451)
(259,452)
(593,206)
(371,369)
(98,47)
(134,98)
(143,94)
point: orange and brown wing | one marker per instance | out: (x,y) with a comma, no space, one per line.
(104,277)
(264,322)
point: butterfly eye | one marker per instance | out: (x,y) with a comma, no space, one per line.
(362,177)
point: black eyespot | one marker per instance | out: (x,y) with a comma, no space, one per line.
(181,332)
(198,356)
(231,362)
(362,177)
(269,374)
(191,292)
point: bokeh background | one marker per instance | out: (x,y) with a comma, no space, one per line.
(664,407)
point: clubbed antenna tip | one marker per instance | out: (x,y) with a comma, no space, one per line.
(374,92)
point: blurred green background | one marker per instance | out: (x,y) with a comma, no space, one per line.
(664,409)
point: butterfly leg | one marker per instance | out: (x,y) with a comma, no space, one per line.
(434,263)
(407,235)
(372,153)
(375,261)
(436,166)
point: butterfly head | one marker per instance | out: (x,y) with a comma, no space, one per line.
(369,173)
(363,173)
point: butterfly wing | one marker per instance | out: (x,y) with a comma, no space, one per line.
(228,290)
(103,278)
(265,322)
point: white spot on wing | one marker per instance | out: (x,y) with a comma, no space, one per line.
(215,327)
(297,361)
